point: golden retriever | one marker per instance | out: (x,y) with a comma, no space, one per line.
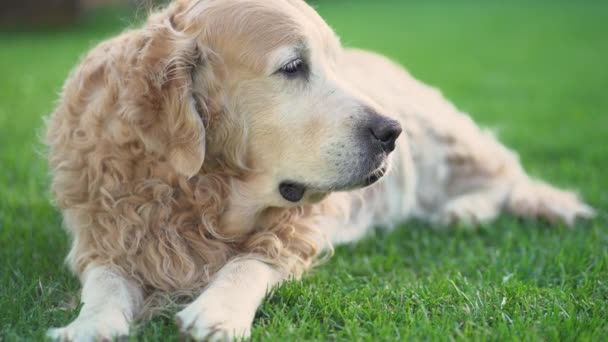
(222,146)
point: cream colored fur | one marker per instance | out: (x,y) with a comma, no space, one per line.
(170,141)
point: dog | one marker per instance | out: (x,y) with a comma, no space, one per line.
(219,149)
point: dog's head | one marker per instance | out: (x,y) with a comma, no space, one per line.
(259,88)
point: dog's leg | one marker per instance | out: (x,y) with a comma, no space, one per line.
(525,198)
(472,208)
(110,303)
(226,309)
(473,178)
(496,182)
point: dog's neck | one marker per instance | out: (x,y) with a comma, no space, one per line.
(251,202)
(246,201)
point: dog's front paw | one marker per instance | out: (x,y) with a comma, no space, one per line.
(212,319)
(104,326)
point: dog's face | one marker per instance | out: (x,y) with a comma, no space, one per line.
(306,131)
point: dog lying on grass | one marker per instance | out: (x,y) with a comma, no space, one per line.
(220,148)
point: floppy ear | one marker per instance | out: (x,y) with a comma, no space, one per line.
(170,113)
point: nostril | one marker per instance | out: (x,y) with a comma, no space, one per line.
(371,130)
(386,133)
(385,136)
(391,135)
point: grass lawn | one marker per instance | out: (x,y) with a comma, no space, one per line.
(537,72)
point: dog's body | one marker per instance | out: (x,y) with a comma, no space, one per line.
(284,170)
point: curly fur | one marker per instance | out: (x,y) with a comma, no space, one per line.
(127,144)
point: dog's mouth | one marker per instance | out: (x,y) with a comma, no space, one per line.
(293,191)
(375,176)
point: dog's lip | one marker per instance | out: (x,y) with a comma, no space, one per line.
(375,176)
(368,180)
(293,191)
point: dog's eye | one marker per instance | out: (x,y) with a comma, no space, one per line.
(293,68)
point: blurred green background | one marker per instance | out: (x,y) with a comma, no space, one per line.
(535,71)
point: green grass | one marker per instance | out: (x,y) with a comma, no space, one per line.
(536,72)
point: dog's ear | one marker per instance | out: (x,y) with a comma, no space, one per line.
(169,87)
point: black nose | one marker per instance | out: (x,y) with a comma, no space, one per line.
(385,131)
